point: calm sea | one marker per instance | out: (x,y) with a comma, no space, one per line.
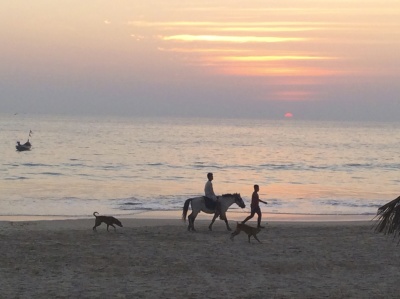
(123,166)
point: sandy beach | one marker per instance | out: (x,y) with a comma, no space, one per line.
(150,258)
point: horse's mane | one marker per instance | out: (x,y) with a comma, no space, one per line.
(229,194)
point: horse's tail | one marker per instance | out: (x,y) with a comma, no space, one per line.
(186,208)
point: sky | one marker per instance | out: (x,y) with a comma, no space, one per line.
(303,59)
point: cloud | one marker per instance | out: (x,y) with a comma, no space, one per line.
(273,58)
(232,39)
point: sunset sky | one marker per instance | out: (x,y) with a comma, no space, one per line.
(320,59)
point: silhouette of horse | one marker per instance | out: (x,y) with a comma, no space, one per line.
(199,204)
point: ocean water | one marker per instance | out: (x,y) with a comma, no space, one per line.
(124,166)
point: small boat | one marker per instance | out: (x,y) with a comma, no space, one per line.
(23,147)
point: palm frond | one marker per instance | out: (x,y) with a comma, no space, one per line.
(388,217)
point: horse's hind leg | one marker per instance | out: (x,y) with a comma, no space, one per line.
(190,222)
(191,218)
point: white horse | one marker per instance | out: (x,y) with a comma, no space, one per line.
(199,204)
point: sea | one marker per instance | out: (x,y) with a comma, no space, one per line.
(127,166)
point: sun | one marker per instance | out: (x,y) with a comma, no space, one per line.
(288,115)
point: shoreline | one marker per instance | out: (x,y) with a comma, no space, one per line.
(232,216)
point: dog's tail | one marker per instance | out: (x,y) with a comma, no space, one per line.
(186,208)
(94,214)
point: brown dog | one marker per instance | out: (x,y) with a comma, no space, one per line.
(109,220)
(249,230)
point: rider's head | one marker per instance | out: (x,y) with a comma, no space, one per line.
(209,176)
(256,188)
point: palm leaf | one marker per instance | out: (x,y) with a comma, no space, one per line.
(388,217)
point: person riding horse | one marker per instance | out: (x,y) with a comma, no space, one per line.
(198,205)
(209,193)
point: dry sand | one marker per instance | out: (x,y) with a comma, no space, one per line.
(161,259)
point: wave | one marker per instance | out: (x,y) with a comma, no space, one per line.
(16,178)
(52,173)
(350,204)
(37,165)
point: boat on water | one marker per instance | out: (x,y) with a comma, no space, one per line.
(23,147)
(26,146)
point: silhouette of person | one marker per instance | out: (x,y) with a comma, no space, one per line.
(255,207)
(209,192)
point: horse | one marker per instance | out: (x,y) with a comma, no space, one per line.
(199,204)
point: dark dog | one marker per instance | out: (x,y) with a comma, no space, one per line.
(109,220)
(249,230)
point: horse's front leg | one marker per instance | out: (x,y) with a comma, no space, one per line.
(227,224)
(216,214)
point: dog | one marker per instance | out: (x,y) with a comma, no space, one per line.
(109,220)
(249,230)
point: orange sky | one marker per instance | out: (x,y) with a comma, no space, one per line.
(285,51)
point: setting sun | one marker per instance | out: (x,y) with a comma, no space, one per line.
(288,115)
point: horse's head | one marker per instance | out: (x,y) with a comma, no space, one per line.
(239,201)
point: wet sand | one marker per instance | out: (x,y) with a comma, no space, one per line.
(150,258)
